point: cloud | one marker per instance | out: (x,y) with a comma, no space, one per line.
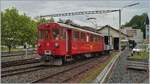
(44,7)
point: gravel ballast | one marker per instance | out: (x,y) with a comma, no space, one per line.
(121,74)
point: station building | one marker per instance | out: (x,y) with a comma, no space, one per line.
(112,37)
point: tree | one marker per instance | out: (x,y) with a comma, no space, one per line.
(43,20)
(138,22)
(52,20)
(17,29)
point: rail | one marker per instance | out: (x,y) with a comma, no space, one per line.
(102,76)
(17,53)
(19,62)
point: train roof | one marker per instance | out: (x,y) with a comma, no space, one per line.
(81,28)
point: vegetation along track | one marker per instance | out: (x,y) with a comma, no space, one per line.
(21,70)
(19,62)
(70,73)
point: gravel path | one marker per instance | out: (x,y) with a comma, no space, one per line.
(122,75)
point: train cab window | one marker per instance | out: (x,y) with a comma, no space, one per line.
(76,35)
(55,33)
(46,35)
(41,34)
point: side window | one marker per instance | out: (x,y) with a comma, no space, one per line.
(91,37)
(98,38)
(95,38)
(76,35)
(83,36)
(55,33)
(63,33)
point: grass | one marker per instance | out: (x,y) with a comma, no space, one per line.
(12,49)
(94,72)
(139,56)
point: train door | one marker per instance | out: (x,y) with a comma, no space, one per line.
(68,41)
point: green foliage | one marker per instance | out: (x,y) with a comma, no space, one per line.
(43,20)
(139,56)
(17,29)
(138,22)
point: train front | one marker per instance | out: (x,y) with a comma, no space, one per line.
(50,47)
(44,48)
(46,44)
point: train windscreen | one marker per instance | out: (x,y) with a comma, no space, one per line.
(43,35)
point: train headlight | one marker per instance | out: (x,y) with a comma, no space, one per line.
(38,45)
(56,45)
(47,44)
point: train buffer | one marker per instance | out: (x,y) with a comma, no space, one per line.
(137,65)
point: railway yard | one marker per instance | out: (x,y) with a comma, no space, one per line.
(26,72)
(32,71)
(75,41)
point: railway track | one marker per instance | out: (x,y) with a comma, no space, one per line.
(22,70)
(70,73)
(19,62)
(17,53)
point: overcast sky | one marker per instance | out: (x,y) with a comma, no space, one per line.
(35,8)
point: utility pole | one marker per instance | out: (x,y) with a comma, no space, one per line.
(120,30)
(120,21)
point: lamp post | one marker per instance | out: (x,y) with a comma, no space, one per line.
(120,21)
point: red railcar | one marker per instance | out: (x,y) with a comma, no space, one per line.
(60,42)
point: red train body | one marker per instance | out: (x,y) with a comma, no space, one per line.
(61,40)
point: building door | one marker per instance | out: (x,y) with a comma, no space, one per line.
(106,40)
(116,43)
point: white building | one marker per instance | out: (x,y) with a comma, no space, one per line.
(114,35)
(134,34)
